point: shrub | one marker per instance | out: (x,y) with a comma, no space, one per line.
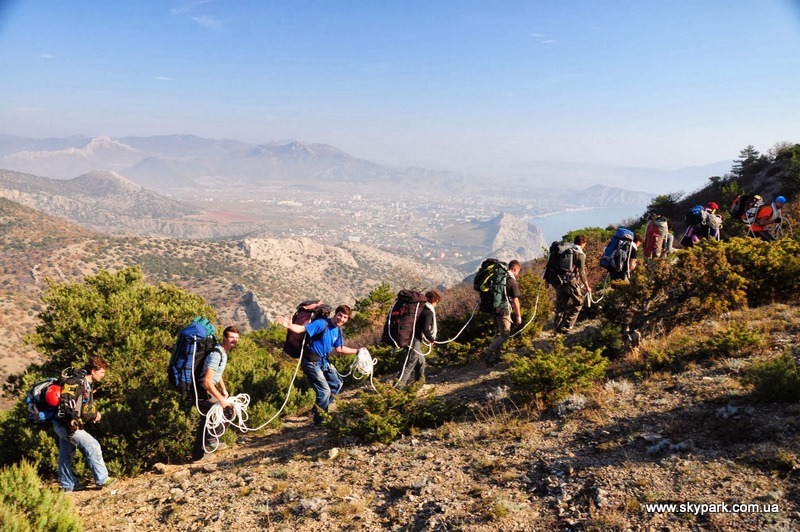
(133,326)
(389,414)
(736,340)
(772,270)
(777,379)
(550,375)
(701,284)
(26,505)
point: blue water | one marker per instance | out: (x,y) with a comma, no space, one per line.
(556,226)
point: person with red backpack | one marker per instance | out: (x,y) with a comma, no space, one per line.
(424,336)
(76,408)
(326,337)
(767,216)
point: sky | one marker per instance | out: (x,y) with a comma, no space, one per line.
(477,86)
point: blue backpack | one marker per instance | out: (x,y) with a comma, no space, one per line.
(618,251)
(192,346)
(694,216)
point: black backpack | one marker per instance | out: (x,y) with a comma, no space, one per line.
(306,312)
(745,207)
(560,264)
(398,330)
(42,401)
(490,282)
(192,346)
(695,216)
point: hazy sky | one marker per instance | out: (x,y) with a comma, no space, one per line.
(461,85)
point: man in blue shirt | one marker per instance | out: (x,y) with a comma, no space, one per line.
(213,391)
(325,337)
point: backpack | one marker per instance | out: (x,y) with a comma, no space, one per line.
(695,215)
(42,401)
(398,331)
(490,282)
(192,346)
(306,312)
(745,207)
(618,251)
(656,230)
(560,264)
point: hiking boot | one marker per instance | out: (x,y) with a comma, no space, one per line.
(487,359)
(221,446)
(77,487)
(108,482)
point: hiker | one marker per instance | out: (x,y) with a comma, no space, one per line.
(632,262)
(570,295)
(424,335)
(656,236)
(669,240)
(767,216)
(76,408)
(212,391)
(702,222)
(502,321)
(326,337)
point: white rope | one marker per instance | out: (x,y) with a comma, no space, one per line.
(474,310)
(362,366)
(535,309)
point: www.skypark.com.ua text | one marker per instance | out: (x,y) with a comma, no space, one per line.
(717,508)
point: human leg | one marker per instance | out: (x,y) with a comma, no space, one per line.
(202,438)
(502,332)
(94,455)
(66,451)
(313,371)
(410,357)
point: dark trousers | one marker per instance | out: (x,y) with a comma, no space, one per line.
(569,302)
(414,365)
(202,436)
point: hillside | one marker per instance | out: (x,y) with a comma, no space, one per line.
(246,287)
(593,463)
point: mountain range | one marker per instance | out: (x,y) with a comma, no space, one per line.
(187,165)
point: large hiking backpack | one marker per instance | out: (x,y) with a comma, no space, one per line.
(618,251)
(398,331)
(490,282)
(42,401)
(745,207)
(560,264)
(306,312)
(654,236)
(694,216)
(192,346)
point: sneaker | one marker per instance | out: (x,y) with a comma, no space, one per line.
(221,446)
(108,482)
(77,487)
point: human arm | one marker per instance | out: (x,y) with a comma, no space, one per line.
(516,310)
(286,323)
(218,391)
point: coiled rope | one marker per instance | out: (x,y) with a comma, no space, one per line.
(217,421)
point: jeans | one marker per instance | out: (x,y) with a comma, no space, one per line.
(66,451)
(327,383)
(204,439)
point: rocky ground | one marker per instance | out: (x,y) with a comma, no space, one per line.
(594,463)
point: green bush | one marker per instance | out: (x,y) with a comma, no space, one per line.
(777,379)
(27,505)
(772,269)
(551,375)
(133,326)
(702,283)
(736,340)
(389,414)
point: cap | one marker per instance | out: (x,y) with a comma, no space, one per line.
(780,199)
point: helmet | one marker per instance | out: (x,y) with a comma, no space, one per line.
(712,206)
(53,395)
(780,199)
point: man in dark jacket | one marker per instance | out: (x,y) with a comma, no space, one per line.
(76,408)
(502,322)
(424,336)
